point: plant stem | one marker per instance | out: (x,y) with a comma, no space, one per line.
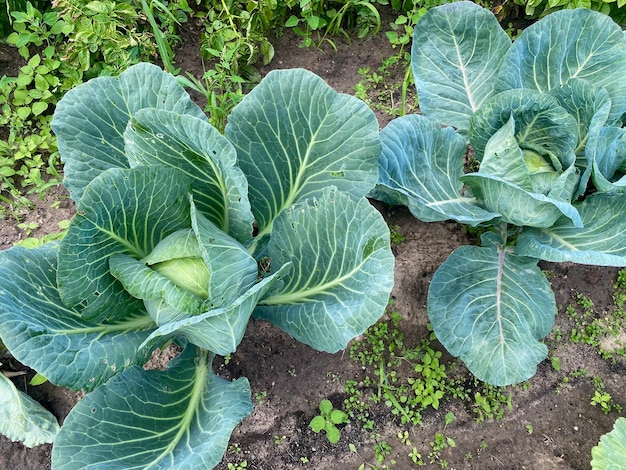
(504,231)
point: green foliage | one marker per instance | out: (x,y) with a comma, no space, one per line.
(162,250)
(108,36)
(222,88)
(14,6)
(437,445)
(602,330)
(77,39)
(550,181)
(610,453)
(410,380)
(381,91)
(410,12)
(491,402)
(34,242)
(602,398)
(396,235)
(320,19)
(540,8)
(29,151)
(236,32)
(327,421)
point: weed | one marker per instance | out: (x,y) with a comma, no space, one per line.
(416,457)
(260,397)
(602,398)
(437,445)
(318,20)
(404,437)
(108,36)
(410,380)
(382,450)
(33,242)
(396,234)
(491,403)
(278,440)
(381,91)
(327,421)
(238,466)
(603,331)
(62,46)
(28,227)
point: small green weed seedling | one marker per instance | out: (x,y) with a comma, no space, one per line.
(603,399)
(604,330)
(491,403)
(383,92)
(238,466)
(327,421)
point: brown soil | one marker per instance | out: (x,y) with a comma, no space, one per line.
(551,425)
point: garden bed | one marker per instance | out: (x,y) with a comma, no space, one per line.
(548,422)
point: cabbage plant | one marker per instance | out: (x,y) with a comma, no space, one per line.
(181,235)
(543,119)
(610,452)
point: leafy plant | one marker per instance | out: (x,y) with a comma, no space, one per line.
(610,453)
(22,418)
(324,19)
(108,35)
(602,398)
(544,117)
(327,421)
(539,8)
(162,249)
(61,46)
(237,31)
(28,151)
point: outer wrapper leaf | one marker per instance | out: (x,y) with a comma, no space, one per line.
(569,44)
(219,330)
(121,211)
(193,146)
(590,106)
(491,308)
(610,453)
(178,418)
(601,240)
(89,121)
(22,418)
(420,166)
(295,136)
(521,207)
(540,124)
(143,283)
(526,190)
(232,269)
(606,151)
(341,274)
(44,334)
(456,51)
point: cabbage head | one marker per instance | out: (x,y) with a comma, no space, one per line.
(524,140)
(182,235)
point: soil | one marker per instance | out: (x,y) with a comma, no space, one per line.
(551,423)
